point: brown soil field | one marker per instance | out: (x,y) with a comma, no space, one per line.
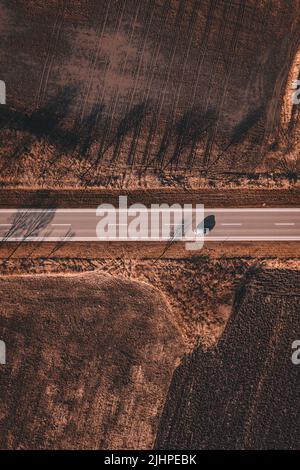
(242,394)
(90,356)
(200,290)
(89,361)
(110,93)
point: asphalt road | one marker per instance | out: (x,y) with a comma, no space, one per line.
(80,225)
